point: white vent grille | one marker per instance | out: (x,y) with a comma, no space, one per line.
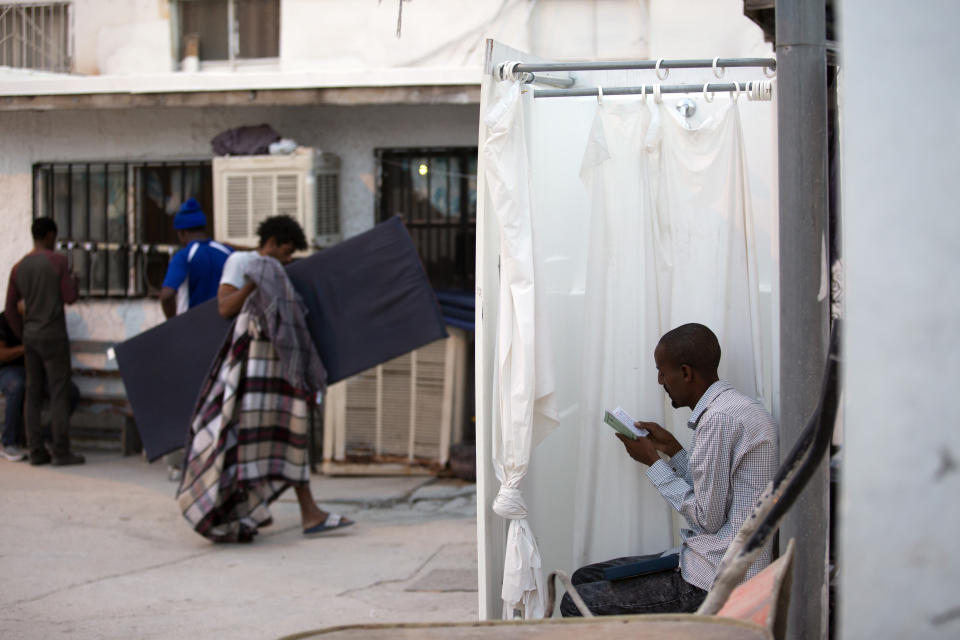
(304,185)
(288,192)
(403,411)
(238,206)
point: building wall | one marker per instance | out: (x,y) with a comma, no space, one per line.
(157,134)
(136,36)
(901,239)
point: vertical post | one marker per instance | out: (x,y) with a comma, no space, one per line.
(35,185)
(125,243)
(106,229)
(804,319)
(87,254)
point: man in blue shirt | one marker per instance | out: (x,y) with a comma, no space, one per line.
(193,275)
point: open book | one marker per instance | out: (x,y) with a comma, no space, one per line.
(621,421)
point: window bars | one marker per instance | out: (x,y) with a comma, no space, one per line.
(36,36)
(114,219)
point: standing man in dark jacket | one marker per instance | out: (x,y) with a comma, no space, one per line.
(42,279)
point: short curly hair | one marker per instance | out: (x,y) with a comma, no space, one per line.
(694,345)
(41,227)
(283,230)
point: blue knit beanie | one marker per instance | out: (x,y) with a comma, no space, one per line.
(189,216)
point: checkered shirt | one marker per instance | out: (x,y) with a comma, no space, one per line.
(716,484)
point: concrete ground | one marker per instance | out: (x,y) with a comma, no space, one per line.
(101,551)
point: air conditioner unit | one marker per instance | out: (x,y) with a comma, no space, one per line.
(304,185)
(398,417)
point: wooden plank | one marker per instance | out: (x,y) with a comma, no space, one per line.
(647,627)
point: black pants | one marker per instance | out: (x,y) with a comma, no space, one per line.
(48,367)
(663,592)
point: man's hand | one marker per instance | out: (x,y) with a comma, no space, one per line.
(642,449)
(662,439)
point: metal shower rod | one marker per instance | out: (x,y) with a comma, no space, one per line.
(710,87)
(701,63)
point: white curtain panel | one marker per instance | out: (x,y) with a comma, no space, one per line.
(524,385)
(707,234)
(671,242)
(621,328)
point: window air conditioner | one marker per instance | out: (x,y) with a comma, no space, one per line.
(304,185)
(398,417)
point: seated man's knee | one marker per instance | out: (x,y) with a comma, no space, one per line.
(582,575)
(568,609)
(14,386)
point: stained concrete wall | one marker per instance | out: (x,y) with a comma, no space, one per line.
(157,134)
(136,36)
(901,239)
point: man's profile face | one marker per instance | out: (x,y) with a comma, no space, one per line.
(670,377)
(282,252)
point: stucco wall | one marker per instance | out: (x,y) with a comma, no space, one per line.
(350,132)
(136,36)
(901,238)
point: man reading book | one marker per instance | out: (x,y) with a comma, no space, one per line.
(713,485)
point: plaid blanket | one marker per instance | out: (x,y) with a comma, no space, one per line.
(247,440)
(282,315)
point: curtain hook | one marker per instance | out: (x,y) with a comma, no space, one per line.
(656,94)
(769,71)
(600,95)
(736,95)
(656,69)
(721,72)
(707,97)
(765,90)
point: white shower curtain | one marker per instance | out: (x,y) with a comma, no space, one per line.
(707,226)
(525,409)
(621,323)
(671,242)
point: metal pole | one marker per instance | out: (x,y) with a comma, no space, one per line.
(711,87)
(804,319)
(612,65)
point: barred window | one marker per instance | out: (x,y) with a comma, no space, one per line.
(434,191)
(115,219)
(36,36)
(228,29)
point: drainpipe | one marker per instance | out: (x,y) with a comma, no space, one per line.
(804,298)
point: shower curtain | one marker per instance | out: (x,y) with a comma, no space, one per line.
(671,242)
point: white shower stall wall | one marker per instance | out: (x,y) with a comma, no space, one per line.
(598,250)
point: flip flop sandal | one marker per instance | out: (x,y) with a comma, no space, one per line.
(333,521)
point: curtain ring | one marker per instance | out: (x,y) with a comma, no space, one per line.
(656,94)
(770,72)
(656,69)
(721,72)
(600,95)
(643,93)
(750,91)
(707,97)
(736,95)
(507,70)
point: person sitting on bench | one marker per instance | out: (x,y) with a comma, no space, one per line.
(714,485)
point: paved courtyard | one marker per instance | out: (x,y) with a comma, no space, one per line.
(101,551)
